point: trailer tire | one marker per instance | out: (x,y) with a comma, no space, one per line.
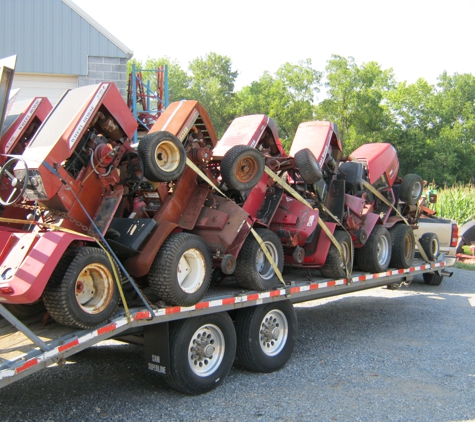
(202,352)
(163,156)
(253,270)
(266,336)
(375,255)
(433,279)
(430,244)
(82,291)
(403,246)
(411,188)
(181,272)
(334,267)
(242,167)
(308,166)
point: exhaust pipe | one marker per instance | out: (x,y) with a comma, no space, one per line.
(446,273)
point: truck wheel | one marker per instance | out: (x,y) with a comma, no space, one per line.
(181,271)
(375,255)
(266,336)
(242,167)
(202,352)
(334,267)
(308,166)
(82,291)
(403,246)
(163,156)
(411,189)
(430,245)
(253,270)
(433,279)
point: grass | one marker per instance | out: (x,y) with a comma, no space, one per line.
(465,266)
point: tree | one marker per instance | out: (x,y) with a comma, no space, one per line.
(356,100)
(212,84)
(288,97)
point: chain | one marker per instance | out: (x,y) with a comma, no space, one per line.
(61,214)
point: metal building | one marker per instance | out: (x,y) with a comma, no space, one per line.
(59,46)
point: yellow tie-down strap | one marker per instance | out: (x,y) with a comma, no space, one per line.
(322,225)
(382,198)
(58,228)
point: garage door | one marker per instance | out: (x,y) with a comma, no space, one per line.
(51,86)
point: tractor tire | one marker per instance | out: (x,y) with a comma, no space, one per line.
(266,336)
(403,246)
(181,271)
(375,255)
(253,270)
(308,166)
(430,245)
(163,156)
(82,291)
(334,267)
(202,352)
(242,167)
(411,189)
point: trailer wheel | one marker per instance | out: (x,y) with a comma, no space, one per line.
(411,189)
(202,352)
(163,156)
(308,166)
(433,279)
(242,167)
(253,270)
(266,336)
(403,246)
(11,187)
(430,245)
(181,271)
(82,291)
(375,255)
(334,267)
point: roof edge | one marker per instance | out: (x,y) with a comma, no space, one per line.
(99,27)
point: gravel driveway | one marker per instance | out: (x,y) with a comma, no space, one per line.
(376,355)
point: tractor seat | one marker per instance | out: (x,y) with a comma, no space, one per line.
(352,173)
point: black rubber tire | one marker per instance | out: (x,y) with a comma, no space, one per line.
(403,246)
(163,156)
(433,279)
(165,270)
(242,167)
(187,373)
(308,166)
(334,267)
(411,189)
(375,255)
(26,311)
(259,352)
(59,295)
(247,273)
(430,245)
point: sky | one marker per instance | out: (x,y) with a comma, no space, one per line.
(417,39)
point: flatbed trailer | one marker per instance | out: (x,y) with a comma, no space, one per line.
(194,347)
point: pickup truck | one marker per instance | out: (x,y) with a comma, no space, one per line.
(436,236)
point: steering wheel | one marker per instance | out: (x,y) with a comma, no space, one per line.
(11,187)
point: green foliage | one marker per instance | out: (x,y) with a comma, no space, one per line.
(287,96)
(456,203)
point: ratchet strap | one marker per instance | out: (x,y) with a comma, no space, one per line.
(382,198)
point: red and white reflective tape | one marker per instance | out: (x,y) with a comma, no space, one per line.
(106,330)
